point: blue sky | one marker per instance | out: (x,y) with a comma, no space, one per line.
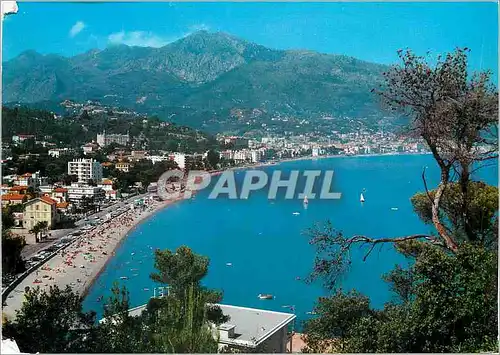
(369,31)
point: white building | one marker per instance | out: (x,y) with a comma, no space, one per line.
(30,180)
(77,191)
(252,155)
(157,158)
(85,169)
(180,159)
(56,153)
(250,330)
(106,139)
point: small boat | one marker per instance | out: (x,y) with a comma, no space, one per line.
(362,198)
(145,289)
(124,277)
(297,278)
(296,213)
(311,313)
(306,201)
(265,297)
(394,208)
(229,264)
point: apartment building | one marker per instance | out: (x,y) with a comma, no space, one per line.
(85,169)
(77,191)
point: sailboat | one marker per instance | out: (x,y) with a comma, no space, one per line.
(306,201)
(362,198)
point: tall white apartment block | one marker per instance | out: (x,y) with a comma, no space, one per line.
(85,169)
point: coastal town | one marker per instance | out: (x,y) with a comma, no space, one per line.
(249,177)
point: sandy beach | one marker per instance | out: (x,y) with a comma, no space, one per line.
(80,263)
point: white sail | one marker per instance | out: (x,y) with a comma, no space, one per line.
(306,201)
(362,198)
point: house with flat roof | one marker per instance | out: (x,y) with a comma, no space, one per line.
(251,329)
(256,330)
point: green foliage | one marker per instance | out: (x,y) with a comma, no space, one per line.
(179,269)
(212,160)
(12,245)
(446,303)
(446,300)
(183,271)
(119,332)
(180,324)
(74,131)
(481,202)
(40,227)
(51,322)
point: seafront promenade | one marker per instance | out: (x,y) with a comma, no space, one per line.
(79,264)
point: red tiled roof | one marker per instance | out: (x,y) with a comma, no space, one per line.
(13,197)
(48,200)
(60,189)
(26,175)
(62,205)
(18,188)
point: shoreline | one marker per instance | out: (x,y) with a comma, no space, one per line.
(91,281)
(92,252)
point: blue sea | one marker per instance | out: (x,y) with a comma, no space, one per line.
(265,242)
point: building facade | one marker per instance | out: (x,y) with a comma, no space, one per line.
(123,166)
(85,170)
(76,192)
(42,209)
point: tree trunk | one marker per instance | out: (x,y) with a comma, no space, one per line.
(464,187)
(450,243)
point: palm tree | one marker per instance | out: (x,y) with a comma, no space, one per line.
(35,230)
(40,227)
(44,226)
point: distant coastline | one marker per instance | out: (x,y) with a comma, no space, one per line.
(285,160)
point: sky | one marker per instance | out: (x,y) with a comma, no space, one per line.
(368,31)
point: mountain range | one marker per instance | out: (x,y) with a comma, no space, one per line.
(201,78)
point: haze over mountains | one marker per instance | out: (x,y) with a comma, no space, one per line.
(202,77)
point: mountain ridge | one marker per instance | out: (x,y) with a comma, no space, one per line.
(207,72)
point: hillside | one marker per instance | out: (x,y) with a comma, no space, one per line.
(200,79)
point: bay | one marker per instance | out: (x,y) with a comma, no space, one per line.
(263,240)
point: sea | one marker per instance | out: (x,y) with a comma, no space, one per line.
(261,246)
